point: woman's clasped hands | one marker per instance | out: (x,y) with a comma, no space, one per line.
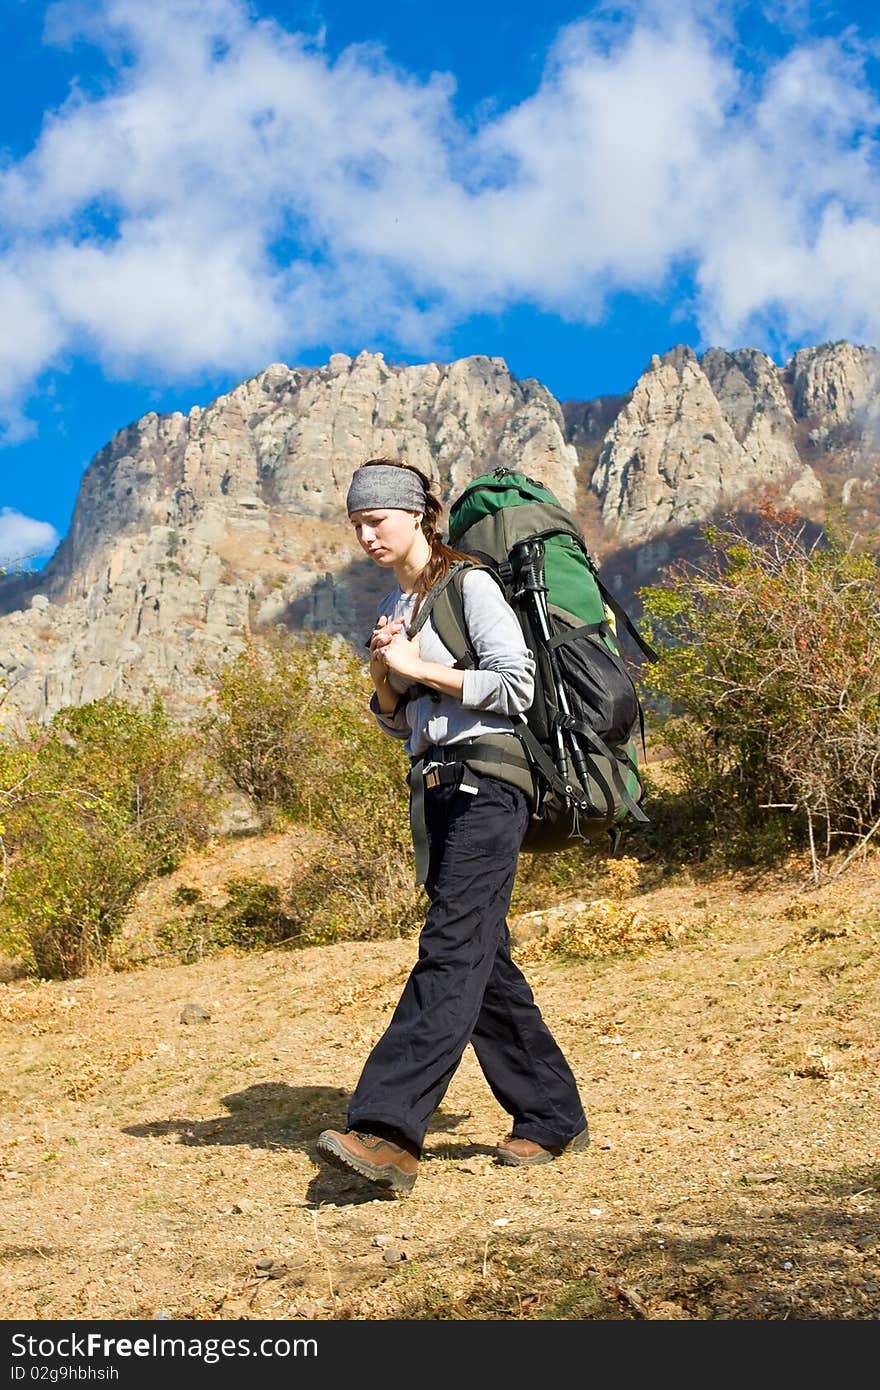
(392,650)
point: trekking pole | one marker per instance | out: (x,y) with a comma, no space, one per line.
(530,555)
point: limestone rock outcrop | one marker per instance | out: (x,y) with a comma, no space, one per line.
(699,436)
(837,384)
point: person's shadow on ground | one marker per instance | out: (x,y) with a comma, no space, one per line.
(273,1115)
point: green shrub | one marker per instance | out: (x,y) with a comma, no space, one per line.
(253,915)
(769,689)
(256,732)
(104,799)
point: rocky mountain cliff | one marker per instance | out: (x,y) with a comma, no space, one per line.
(702,435)
(191,530)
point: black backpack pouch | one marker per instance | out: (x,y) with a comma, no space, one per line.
(600,690)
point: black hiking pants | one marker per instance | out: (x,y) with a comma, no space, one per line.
(465,987)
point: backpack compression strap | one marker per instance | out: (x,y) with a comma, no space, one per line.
(623,617)
(614,761)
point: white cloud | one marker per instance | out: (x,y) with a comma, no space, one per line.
(235,196)
(31,336)
(22,538)
(794,210)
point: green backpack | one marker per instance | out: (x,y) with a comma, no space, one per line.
(579,734)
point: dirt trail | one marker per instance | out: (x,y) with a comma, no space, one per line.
(732,1084)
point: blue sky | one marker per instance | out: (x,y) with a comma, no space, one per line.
(191,189)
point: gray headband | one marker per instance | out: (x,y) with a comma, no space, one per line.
(385,485)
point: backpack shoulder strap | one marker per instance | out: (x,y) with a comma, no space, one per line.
(452,620)
(445,603)
(449,620)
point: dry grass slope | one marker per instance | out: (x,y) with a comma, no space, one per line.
(724,1034)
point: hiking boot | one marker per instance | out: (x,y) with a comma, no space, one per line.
(382,1162)
(524,1153)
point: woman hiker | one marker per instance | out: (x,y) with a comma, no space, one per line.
(464,987)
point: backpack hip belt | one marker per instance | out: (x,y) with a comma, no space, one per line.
(490,755)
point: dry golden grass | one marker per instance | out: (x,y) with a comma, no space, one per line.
(724,1036)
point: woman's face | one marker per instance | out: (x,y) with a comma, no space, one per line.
(387,534)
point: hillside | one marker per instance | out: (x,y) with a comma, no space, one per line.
(731,1075)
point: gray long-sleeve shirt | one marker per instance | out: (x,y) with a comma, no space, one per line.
(500,686)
